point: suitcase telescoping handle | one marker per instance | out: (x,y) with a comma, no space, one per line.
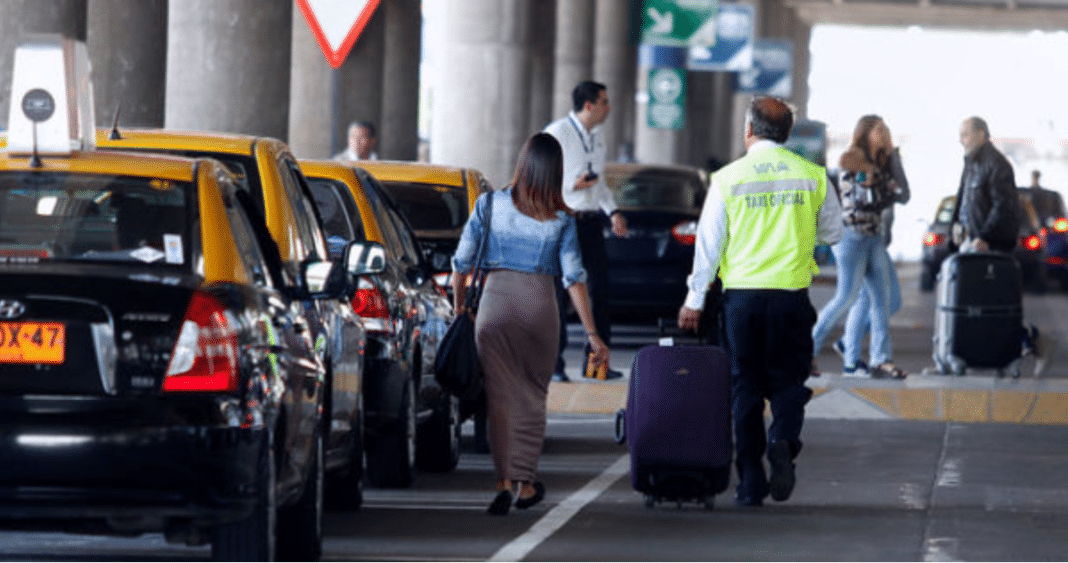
(668,330)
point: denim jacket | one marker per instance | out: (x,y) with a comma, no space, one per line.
(521,243)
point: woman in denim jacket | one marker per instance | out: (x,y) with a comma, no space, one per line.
(532,240)
(868,187)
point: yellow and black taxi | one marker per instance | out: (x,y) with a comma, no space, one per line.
(436,199)
(268,172)
(155,376)
(411,422)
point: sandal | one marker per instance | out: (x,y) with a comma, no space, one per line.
(887,370)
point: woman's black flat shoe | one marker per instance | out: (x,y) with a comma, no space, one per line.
(501,503)
(539,494)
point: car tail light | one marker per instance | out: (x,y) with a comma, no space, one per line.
(205,356)
(369,302)
(933,239)
(685,232)
(1033,242)
(1061,225)
(1055,260)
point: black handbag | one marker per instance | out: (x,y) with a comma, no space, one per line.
(457,367)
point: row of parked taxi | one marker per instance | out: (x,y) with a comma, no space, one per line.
(203,336)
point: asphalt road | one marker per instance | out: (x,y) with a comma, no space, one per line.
(868,490)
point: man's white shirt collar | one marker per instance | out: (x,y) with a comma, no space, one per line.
(762,144)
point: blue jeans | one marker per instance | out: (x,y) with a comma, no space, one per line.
(860,314)
(863,263)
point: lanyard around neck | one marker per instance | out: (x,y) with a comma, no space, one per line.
(582,137)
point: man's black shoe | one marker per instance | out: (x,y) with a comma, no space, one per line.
(561,377)
(748,500)
(782,479)
(613,374)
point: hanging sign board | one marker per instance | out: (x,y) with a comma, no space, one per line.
(733,50)
(337,24)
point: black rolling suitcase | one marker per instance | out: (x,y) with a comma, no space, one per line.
(677,423)
(979,314)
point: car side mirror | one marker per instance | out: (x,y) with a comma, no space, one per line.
(324,280)
(365,258)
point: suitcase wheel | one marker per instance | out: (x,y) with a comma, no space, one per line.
(621,428)
(710,502)
(650,501)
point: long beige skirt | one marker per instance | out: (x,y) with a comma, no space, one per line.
(517,334)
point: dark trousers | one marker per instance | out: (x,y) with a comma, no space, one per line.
(768,338)
(590,226)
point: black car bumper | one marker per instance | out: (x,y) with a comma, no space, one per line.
(129,479)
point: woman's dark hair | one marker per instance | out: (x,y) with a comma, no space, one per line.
(539,175)
(860,139)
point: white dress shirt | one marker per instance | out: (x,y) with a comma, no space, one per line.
(583,151)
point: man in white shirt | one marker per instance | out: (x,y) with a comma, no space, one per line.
(362,141)
(585,192)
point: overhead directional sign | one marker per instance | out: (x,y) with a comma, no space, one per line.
(772,72)
(733,50)
(679,23)
(337,24)
(667,98)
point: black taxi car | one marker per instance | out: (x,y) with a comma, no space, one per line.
(411,421)
(269,173)
(155,376)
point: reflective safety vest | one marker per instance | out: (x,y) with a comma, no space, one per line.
(773,198)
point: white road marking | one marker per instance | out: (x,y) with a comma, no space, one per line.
(553,520)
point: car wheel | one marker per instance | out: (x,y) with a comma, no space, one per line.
(346,486)
(300,526)
(252,539)
(391,452)
(438,438)
(927,278)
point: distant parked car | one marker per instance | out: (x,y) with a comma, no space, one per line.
(647,269)
(1054,220)
(436,200)
(1030,250)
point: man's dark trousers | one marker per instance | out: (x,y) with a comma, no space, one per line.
(768,338)
(590,226)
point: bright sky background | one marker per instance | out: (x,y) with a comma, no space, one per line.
(924,82)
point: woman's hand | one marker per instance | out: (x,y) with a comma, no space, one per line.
(599,352)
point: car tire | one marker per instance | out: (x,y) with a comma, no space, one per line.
(345,487)
(927,278)
(300,526)
(253,539)
(391,452)
(437,444)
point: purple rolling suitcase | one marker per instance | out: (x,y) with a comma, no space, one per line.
(678,423)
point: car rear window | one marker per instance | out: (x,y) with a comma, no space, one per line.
(1047,203)
(655,188)
(430,207)
(84,217)
(945,210)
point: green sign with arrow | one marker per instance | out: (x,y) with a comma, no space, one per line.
(679,23)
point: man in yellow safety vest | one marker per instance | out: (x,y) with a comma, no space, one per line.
(762,218)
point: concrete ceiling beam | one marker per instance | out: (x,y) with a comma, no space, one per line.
(1011,17)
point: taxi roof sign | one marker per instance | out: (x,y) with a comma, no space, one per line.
(51,97)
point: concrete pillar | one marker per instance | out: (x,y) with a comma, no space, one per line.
(311,95)
(228,66)
(358,81)
(574,50)
(614,61)
(542,64)
(398,137)
(482,85)
(128,50)
(21,17)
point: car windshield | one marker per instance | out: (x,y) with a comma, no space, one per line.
(655,188)
(1048,204)
(59,216)
(430,207)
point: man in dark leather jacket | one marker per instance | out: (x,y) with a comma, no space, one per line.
(987,203)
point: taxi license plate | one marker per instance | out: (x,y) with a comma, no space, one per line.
(32,343)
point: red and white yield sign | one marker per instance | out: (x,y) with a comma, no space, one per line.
(336,24)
